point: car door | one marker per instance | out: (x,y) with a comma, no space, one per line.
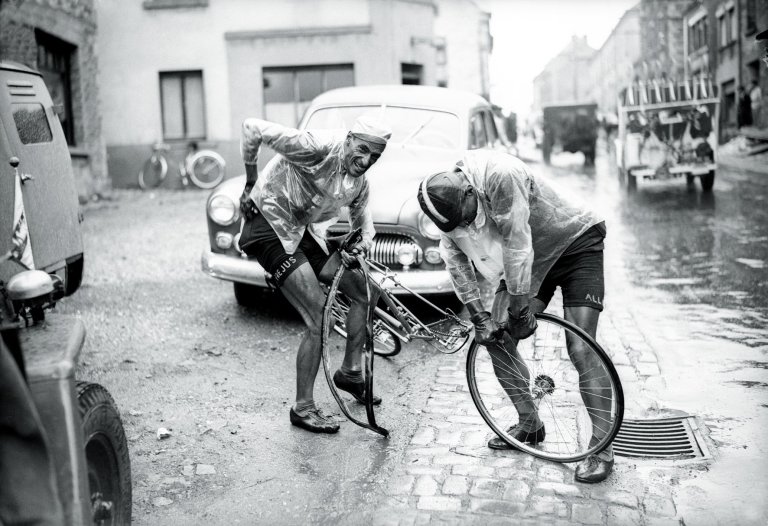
(33,135)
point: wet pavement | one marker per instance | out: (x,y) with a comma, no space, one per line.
(685,321)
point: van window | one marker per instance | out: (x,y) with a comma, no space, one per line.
(31,123)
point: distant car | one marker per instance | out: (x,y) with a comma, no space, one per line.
(431,126)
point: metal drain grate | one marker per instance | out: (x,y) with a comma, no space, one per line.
(671,438)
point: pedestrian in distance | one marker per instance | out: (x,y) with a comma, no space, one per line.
(756,103)
(496,216)
(287,211)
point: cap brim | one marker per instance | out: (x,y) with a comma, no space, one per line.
(373,139)
(762,36)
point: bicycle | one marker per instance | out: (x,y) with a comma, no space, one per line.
(581,415)
(204,168)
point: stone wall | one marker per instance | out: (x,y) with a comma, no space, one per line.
(73,21)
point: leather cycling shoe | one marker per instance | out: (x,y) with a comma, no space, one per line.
(521,436)
(356,389)
(593,469)
(314,421)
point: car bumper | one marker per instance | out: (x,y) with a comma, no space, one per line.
(244,270)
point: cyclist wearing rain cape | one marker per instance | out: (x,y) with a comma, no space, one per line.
(526,239)
(287,211)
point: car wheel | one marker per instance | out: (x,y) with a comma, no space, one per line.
(247,295)
(707,181)
(106,455)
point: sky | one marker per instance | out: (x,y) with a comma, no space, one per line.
(528,33)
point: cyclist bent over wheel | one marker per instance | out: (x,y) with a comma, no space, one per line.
(518,232)
(287,212)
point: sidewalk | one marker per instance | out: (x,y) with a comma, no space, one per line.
(449,476)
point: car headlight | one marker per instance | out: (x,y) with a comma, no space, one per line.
(223,240)
(427,228)
(222,210)
(432,255)
(409,254)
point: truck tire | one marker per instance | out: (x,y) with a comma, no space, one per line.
(707,181)
(106,455)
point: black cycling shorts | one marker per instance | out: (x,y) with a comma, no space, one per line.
(259,240)
(580,278)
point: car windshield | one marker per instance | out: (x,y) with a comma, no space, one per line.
(417,126)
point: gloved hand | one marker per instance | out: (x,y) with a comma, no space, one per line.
(521,324)
(247,206)
(486,332)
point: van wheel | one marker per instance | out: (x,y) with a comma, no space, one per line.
(707,181)
(106,456)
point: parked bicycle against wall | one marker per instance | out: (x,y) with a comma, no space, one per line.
(204,168)
(581,418)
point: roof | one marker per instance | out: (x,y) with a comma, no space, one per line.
(15,66)
(396,95)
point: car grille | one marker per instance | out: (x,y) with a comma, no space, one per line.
(385,247)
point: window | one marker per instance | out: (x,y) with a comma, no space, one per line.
(31,123)
(750,25)
(54,61)
(477,137)
(727,23)
(288,91)
(411,73)
(698,34)
(410,125)
(183,108)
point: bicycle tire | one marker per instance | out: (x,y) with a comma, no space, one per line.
(553,386)
(153,172)
(329,365)
(206,169)
(386,342)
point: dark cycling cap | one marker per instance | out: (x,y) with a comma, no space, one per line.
(440,197)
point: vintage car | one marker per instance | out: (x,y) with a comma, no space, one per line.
(431,126)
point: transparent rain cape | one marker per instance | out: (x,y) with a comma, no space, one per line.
(305,185)
(522,227)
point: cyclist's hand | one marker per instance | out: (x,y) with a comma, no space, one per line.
(486,331)
(521,324)
(349,259)
(247,206)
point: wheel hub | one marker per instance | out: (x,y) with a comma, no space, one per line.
(543,385)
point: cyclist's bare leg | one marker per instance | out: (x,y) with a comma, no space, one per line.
(302,290)
(511,370)
(352,284)
(594,383)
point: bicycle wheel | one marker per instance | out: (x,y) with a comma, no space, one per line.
(385,340)
(561,373)
(153,172)
(333,352)
(206,169)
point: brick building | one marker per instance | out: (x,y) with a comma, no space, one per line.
(57,38)
(563,80)
(612,67)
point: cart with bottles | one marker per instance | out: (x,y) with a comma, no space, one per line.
(668,130)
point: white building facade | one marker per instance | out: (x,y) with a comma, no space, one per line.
(178,71)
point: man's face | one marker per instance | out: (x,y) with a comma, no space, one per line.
(468,207)
(359,155)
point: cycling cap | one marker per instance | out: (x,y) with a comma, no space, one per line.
(440,197)
(371,130)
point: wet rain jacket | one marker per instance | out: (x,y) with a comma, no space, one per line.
(522,227)
(306,184)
